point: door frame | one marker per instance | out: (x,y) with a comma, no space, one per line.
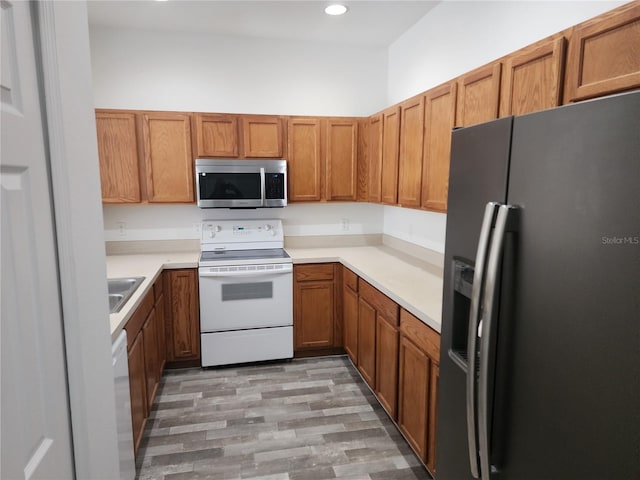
(62,35)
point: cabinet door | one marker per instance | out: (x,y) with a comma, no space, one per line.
(118,155)
(150,340)
(162,338)
(350,315)
(314,314)
(532,78)
(390,147)
(341,159)
(216,135)
(137,389)
(262,136)
(387,365)
(375,158)
(167,156)
(367,342)
(413,395)
(183,322)
(410,160)
(433,408)
(478,96)
(305,161)
(604,55)
(440,118)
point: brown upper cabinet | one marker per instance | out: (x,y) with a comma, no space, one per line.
(167,157)
(363,160)
(118,155)
(532,78)
(375,158)
(154,147)
(341,159)
(323,158)
(440,118)
(216,135)
(604,54)
(239,136)
(390,148)
(410,158)
(262,136)
(478,95)
(305,161)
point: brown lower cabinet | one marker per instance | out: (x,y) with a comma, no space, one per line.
(398,356)
(182,314)
(137,389)
(315,308)
(418,386)
(350,318)
(147,343)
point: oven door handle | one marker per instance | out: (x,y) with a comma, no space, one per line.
(245,273)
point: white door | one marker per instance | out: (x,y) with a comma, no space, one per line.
(35,419)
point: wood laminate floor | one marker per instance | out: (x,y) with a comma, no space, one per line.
(308,419)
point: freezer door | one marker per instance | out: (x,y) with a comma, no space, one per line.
(567,401)
(478,175)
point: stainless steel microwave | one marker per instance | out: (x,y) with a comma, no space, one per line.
(224,183)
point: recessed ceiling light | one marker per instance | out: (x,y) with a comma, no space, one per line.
(336,9)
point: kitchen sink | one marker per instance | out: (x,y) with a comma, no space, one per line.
(120,290)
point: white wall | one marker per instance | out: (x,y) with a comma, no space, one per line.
(167,222)
(454,38)
(213,73)
(210,73)
(203,72)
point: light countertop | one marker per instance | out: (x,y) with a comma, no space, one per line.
(414,284)
(149,266)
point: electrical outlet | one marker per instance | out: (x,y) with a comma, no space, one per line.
(197,228)
(345,224)
(122,229)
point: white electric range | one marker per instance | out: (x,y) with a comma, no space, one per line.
(246,292)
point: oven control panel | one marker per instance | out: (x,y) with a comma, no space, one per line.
(239,234)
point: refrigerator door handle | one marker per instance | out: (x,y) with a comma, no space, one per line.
(506,214)
(474,314)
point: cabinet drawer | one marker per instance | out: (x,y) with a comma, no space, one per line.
(313,272)
(350,279)
(136,321)
(385,307)
(422,335)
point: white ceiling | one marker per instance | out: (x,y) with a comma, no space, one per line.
(367,23)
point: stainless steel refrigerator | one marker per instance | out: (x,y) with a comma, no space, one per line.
(540,355)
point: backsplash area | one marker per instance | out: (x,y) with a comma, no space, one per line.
(178,222)
(366,221)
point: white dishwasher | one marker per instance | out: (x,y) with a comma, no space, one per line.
(123,407)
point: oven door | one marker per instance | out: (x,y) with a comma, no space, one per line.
(245,297)
(230,186)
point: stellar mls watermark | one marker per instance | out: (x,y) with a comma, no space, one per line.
(623,240)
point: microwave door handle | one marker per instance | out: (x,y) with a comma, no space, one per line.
(262,188)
